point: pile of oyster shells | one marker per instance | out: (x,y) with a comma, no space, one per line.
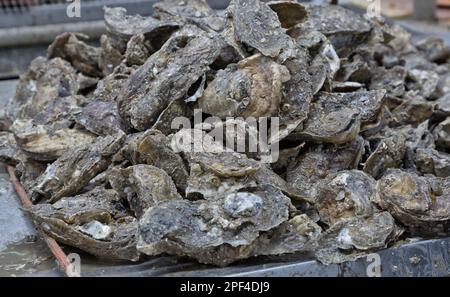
(364,138)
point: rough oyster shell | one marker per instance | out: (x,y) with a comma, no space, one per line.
(290,13)
(222,173)
(352,239)
(75,168)
(206,230)
(421,203)
(8,149)
(336,118)
(319,161)
(167,76)
(83,57)
(442,134)
(389,153)
(45,143)
(100,117)
(44,81)
(252,88)
(68,220)
(433,162)
(256,25)
(345,195)
(154,148)
(143,186)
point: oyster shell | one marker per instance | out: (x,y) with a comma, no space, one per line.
(100,117)
(75,168)
(222,173)
(433,162)
(345,195)
(44,81)
(137,52)
(143,186)
(252,88)
(442,134)
(109,87)
(336,118)
(212,232)
(110,57)
(392,80)
(320,161)
(166,76)
(290,13)
(298,92)
(421,203)
(73,221)
(197,12)
(343,27)
(367,103)
(434,48)
(256,25)
(83,57)
(46,143)
(442,106)
(121,27)
(8,149)
(413,111)
(354,238)
(176,109)
(389,153)
(29,171)
(425,82)
(154,148)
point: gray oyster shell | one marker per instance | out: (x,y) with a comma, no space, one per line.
(252,88)
(345,195)
(257,26)
(70,219)
(419,202)
(143,186)
(212,232)
(166,76)
(75,168)
(320,161)
(354,238)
